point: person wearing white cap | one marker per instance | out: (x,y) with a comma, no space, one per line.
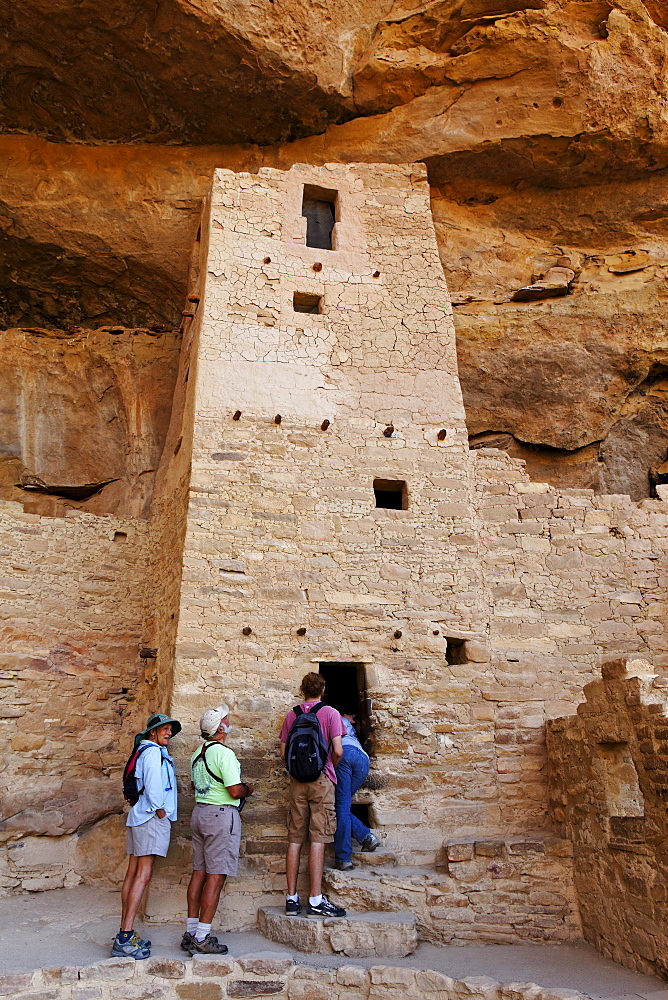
(216,829)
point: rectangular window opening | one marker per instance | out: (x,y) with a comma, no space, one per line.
(302,302)
(346,692)
(455,650)
(391,494)
(319,208)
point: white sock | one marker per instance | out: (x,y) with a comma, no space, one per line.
(315,900)
(191,924)
(293,899)
(202,930)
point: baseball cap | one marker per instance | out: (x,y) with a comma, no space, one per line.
(212,718)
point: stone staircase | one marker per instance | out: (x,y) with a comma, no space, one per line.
(488,891)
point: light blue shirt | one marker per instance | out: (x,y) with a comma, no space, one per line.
(351,739)
(156,777)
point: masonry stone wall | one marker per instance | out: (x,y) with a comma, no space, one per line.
(478,612)
(609,786)
(264,974)
(72,680)
(571,577)
(283,533)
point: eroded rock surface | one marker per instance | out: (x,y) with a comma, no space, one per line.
(83,417)
(576,384)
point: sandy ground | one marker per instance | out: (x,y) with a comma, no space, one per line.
(75,927)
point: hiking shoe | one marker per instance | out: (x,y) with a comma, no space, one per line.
(370,843)
(344,866)
(293,907)
(137,941)
(325,909)
(209,946)
(129,949)
(187,941)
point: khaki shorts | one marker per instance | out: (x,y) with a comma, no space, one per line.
(151,837)
(311,811)
(216,834)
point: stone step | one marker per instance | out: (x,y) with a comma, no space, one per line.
(358,935)
(374,859)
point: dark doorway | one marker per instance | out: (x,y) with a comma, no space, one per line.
(319,208)
(391,494)
(362,810)
(346,692)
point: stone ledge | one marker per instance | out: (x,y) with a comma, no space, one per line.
(243,978)
(386,935)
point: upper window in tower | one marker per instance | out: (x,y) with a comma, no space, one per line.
(319,209)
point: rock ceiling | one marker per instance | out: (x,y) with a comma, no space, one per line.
(544,125)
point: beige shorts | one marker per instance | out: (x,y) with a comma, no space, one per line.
(311,811)
(151,837)
(216,834)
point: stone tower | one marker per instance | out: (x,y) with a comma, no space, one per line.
(329,489)
(338,522)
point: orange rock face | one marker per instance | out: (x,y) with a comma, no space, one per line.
(542,123)
(83,417)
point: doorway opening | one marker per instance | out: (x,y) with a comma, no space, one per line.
(362,810)
(346,692)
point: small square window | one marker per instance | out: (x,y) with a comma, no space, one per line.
(302,302)
(455,651)
(391,494)
(319,209)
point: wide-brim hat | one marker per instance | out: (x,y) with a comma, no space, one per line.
(155,720)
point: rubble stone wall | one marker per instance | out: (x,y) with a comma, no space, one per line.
(264,974)
(571,577)
(609,786)
(72,682)
(505,891)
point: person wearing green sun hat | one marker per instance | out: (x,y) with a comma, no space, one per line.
(154,720)
(148,824)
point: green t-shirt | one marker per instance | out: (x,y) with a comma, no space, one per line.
(223,762)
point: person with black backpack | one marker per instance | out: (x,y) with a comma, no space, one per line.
(311,748)
(149,785)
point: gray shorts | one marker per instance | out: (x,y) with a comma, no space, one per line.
(216,834)
(151,837)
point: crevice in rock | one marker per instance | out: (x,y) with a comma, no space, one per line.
(83,492)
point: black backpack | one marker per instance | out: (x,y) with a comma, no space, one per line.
(130,790)
(306,751)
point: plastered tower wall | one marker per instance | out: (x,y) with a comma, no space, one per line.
(283,533)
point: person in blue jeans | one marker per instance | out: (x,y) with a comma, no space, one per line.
(351,771)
